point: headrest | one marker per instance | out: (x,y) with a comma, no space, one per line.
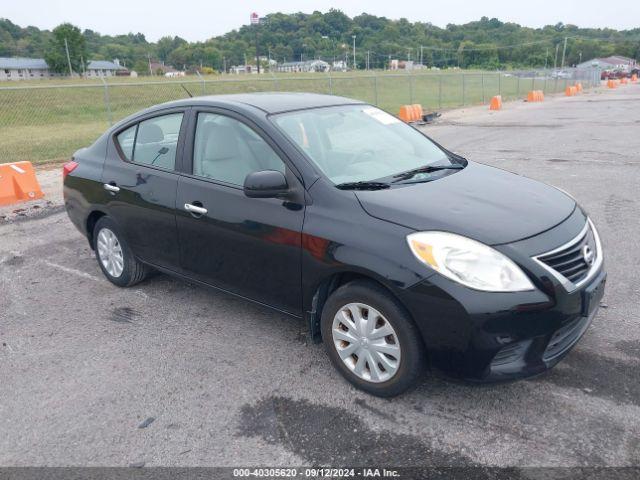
(150,133)
(222,143)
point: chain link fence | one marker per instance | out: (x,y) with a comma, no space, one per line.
(47,123)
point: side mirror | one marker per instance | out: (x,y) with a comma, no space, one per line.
(265,184)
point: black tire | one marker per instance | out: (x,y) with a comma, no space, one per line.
(413,357)
(133,271)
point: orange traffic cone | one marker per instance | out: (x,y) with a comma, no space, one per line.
(18,183)
(496,103)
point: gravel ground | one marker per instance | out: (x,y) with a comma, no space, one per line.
(168,373)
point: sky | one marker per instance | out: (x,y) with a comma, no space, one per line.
(195,20)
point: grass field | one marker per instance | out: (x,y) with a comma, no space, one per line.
(47,120)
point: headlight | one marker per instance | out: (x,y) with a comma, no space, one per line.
(468,262)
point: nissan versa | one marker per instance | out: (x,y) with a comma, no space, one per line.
(397,252)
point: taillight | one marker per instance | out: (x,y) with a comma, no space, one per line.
(68,167)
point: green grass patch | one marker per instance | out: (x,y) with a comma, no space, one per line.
(47,120)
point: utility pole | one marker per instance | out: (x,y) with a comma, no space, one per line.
(546,57)
(421,55)
(255,21)
(224,64)
(354,52)
(368,53)
(555,60)
(66,47)
(564,51)
(149,59)
(257,50)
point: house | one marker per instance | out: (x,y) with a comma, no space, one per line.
(159,68)
(19,68)
(242,69)
(396,64)
(103,68)
(267,63)
(36,68)
(339,66)
(306,66)
(614,62)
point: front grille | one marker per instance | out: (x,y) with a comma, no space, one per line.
(569,261)
(565,338)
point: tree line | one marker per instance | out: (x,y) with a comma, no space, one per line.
(486,43)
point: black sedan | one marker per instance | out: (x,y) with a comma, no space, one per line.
(396,252)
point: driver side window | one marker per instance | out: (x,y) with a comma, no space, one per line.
(227,150)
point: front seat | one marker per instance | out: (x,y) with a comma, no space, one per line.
(225,158)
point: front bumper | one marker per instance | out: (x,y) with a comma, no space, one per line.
(535,355)
(487,336)
(501,343)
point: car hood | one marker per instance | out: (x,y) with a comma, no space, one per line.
(485,203)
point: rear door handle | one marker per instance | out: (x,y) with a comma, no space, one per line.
(189,207)
(111,188)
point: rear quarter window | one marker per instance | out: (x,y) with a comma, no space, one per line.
(125,140)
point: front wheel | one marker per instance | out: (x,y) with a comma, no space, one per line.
(371,339)
(115,258)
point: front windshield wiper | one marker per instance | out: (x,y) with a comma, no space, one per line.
(426,169)
(362,186)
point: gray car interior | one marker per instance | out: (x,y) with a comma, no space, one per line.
(227,150)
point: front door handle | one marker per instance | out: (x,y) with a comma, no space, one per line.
(189,207)
(111,188)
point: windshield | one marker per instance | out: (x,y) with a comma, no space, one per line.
(359,143)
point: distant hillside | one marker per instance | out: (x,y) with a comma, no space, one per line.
(487,43)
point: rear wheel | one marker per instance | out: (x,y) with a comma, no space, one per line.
(115,258)
(371,339)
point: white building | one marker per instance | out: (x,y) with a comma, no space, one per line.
(36,69)
(104,68)
(242,69)
(24,69)
(307,66)
(396,64)
(339,66)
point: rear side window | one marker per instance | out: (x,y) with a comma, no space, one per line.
(152,142)
(126,139)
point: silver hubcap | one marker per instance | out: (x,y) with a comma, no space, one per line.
(110,252)
(366,342)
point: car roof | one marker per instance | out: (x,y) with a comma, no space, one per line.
(270,102)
